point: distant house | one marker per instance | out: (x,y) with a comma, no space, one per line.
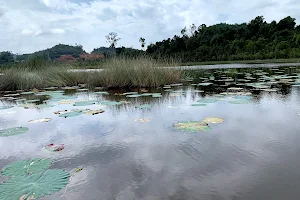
(91,56)
(66,58)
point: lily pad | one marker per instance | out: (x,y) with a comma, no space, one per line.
(111,103)
(50,88)
(26,93)
(156,95)
(84,103)
(66,101)
(40,120)
(36,185)
(129,93)
(207,101)
(19,100)
(133,95)
(13,131)
(235,88)
(241,101)
(32,101)
(144,106)
(192,126)
(44,106)
(213,120)
(70,114)
(146,94)
(55,147)
(5,107)
(204,84)
(101,92)
(243,97)
(83,90)
(176,84)
(26,167)
(94,112)
(198,104)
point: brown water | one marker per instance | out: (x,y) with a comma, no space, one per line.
(254,154)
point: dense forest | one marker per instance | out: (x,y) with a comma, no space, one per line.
(248,41)
(257,39)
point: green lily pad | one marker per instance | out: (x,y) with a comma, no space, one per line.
(243,97)
(144,106)
(241,101)
(176,84)
(83,90)
(35,185)
(50,88)
(13,131)
(5,107)
(192,126)
(146,94)
(44,106)
(207,101)
(133,95)
(32,101)
(156,95)
(198,104)
(70,114)
(19,100)
(204,84)
(26,167)
(84,103)
(26,93)
(129,93)
(111,103)
(101,92)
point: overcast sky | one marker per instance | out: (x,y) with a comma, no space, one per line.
(30,25)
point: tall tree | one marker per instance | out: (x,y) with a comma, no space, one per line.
(112,38)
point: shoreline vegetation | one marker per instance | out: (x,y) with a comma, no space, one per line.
(265,61)
(121,72)
(117,72)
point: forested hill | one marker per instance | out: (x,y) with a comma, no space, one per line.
(55,52)
(254,40)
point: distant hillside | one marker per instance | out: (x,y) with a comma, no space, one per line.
(55,52)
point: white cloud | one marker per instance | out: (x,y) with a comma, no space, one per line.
(57,31)
(86,22)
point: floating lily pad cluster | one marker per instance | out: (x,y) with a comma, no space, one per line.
(31,179)
(13,131)
(197,126)
(77,112)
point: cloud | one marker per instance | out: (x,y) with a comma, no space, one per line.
(86,22)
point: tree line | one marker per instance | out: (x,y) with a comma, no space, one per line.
(247,41)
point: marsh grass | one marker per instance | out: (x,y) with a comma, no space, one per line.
(116,72)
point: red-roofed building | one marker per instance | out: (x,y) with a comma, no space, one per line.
(65,58)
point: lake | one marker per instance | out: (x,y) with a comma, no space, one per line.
(136,149)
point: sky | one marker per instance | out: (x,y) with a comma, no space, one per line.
(27,26)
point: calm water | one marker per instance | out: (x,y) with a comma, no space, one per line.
(254,154)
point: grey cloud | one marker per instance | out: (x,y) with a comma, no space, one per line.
(88,21)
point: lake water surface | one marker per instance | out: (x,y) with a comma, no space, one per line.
(253,154)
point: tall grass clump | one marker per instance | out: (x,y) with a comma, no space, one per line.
(115,72)
(135,72)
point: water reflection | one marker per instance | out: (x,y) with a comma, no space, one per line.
(252,155)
